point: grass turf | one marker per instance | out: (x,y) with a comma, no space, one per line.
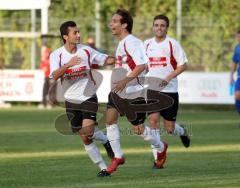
(34,154)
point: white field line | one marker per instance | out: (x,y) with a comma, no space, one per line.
(194,149)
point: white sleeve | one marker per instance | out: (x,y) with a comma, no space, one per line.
(54,63)
(179,54)
(145,43)
(137,51)
(98,57)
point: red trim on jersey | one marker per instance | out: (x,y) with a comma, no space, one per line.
(147,46)
(89,63)
(60,59)
(60,62)
(94,66)
(130,61)
(172,59)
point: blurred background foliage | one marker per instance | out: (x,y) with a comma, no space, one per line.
(208,28)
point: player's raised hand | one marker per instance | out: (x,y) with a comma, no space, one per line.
(74,61)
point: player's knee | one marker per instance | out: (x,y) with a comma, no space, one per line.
(86,140)
(169,129)
(87,132)
(154,123)
(137,130)
(90,133)
(90,136)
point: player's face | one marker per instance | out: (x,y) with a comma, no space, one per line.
(73,36)
(116,26)
(160,28)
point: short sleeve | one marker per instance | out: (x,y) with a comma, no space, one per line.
(98,57)
(54,63)
(137,51)
(179,54)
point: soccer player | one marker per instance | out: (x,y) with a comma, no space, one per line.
(235,67)
(167,60)
(72,63)
(130,56)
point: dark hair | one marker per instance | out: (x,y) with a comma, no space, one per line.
(64,28)
(161,17)
(126,18)
(238,31)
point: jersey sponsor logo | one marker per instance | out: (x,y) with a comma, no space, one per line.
(76,75)
(74,70)
(78,72)
(158,61)
(158,65)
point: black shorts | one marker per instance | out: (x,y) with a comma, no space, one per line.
(169,113)
(78,112)
(124,107)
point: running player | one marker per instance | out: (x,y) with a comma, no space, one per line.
(72,63)
(235,67)
(131,57)
(167,60)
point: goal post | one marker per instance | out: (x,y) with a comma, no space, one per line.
(30,5)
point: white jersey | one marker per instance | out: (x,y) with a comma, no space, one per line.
(164,58)
(76,75)
(130,53)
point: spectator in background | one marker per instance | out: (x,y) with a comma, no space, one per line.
(91,42)
(235,67)
(45,67)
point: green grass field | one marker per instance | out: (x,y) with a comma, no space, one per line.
(34,154)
